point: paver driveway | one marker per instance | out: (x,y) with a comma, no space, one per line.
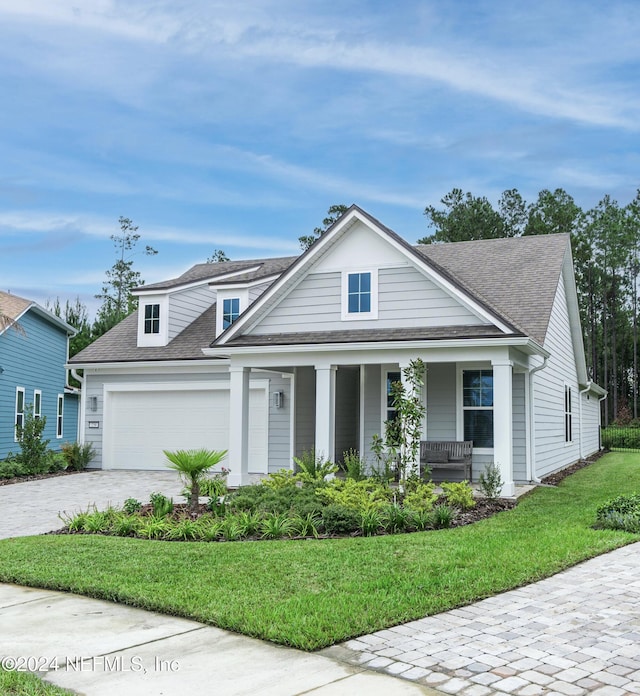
(33,507)
(575,633)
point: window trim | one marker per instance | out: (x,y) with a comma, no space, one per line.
(460,408)
(37,403)
(384,407)
(234,315)
(19,391)
(568,414)
(346,315)
(152,322)
(60,417)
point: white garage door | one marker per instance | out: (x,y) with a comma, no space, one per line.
(139,425)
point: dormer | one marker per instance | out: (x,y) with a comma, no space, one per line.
(153,320)
(233,298)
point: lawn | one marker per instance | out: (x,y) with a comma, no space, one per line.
(313,593)
(25,684)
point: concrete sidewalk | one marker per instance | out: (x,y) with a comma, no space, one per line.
(104,649)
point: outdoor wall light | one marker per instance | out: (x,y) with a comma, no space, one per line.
(278,399)
(1,370)
(93,403)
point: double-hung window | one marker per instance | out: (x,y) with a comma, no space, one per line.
(230,311)
(19,422)
(477,406)
(152,319)
(568,415)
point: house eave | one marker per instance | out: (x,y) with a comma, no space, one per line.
(147,364)
(526,345)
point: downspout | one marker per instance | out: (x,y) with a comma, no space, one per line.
(580,393)
(600,419)
(532,424)
(81,414)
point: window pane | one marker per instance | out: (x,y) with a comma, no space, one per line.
(20,402)
(365,303)
(365,282)
(354,305)
(478,426)
(354,282)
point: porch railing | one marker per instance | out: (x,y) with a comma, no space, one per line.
(616,437)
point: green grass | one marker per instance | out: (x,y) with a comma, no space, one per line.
(25,684)
(312,593)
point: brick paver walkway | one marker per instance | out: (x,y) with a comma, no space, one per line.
(575,633)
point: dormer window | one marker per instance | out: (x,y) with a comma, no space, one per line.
(152,319)
(360,294)
(230,311)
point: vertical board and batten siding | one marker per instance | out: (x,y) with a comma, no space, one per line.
(305,424)
(186,306)
(34,360)
(552,452)
(347,411)
(405,297)
(279,419)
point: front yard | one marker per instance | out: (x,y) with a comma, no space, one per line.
(312,593)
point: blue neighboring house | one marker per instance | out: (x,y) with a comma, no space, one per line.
(34,347)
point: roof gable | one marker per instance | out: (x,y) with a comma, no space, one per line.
(15,307)
(362,240)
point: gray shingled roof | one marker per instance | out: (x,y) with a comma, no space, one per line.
(205,271)
(369,335)
(516,278)
(119,344)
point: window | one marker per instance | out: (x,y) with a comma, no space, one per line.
(389,411)
(152,319)
(37,403)
(568,416)
(359,293)
(477,406)
(59,416)
(19,422)
(230,311)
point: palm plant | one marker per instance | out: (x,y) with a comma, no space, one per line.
(192,465)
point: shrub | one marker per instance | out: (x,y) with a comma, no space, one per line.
(491,481)
(314,468)
(459,495)
(353,465)
(370,522)
(132,505)
(125,524)
(230,529)
(192,465)
(395,519)
(184,529)
(76,456)
(161,505)
(623,504)
(619,521)
(215,487)
(285,478)
(276,526)
(211,528)
(442,516)
(357,495)
(305,525)
(286,499)
(422,519)
(421,497)
(153,528)
(98,521)
(622,512)
(33,455)
(338,519)
(10,468)
(249,523)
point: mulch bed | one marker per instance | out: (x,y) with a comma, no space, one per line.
(555,478)
(37,477)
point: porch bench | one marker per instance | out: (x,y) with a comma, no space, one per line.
(441,454)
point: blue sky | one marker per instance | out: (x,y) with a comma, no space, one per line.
(235,125)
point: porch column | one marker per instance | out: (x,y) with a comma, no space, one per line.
(325,411)
(502,422)
(238,457)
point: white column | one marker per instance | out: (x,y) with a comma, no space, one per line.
(502,422)
(238,457)
(325,411)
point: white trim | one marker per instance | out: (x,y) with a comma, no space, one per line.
(232,293)
(207,280)
(325,242)
(460,368)
(246,284)
(345,314)
(149,340)
(38,413)
(19,390)
(60,417)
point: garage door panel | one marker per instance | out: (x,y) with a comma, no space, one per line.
(141,424)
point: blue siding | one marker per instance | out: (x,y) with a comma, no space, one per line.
(34,361)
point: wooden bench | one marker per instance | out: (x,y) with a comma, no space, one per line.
(441,454)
